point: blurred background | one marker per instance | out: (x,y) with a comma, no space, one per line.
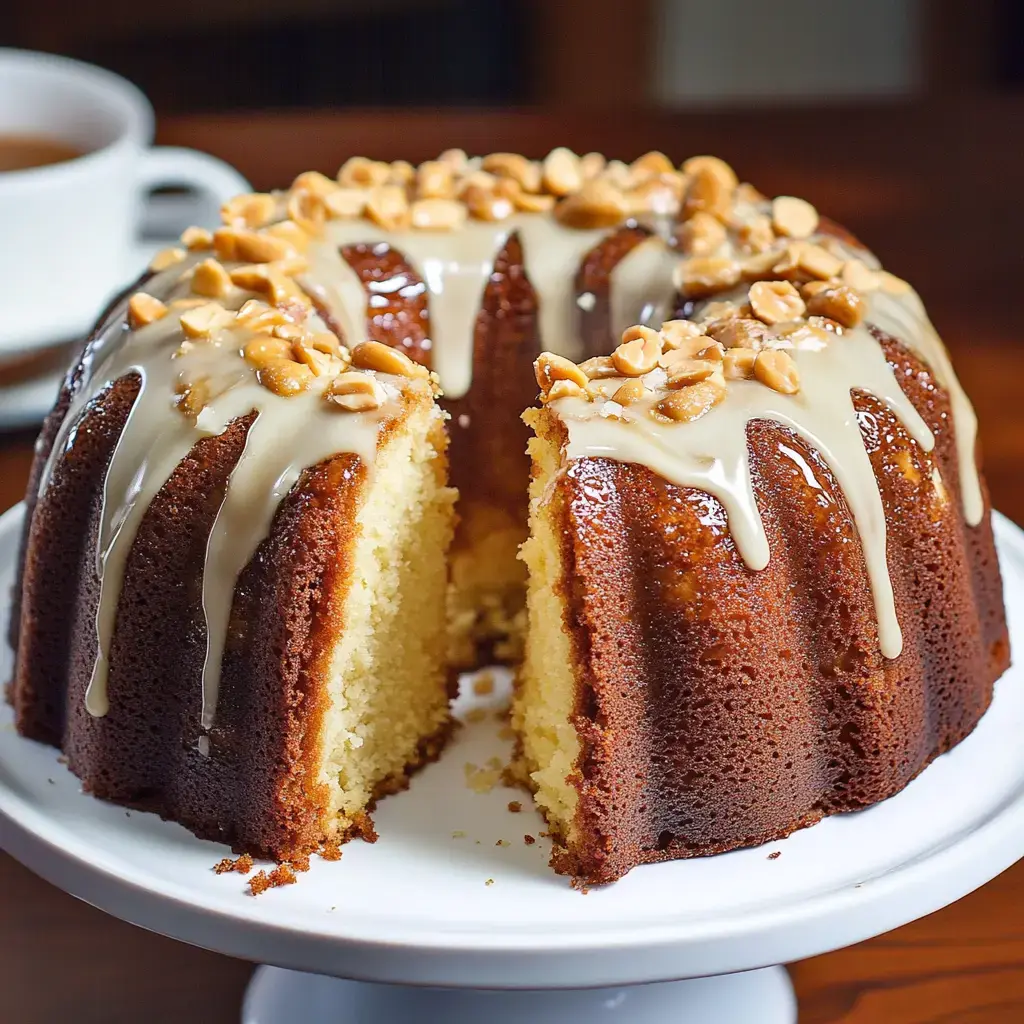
(245,55)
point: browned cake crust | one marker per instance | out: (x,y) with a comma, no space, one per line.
(719,707)
(256,789)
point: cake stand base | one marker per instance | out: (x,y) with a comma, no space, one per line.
(277,996)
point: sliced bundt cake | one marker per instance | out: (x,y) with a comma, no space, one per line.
(234,571)
(763,586)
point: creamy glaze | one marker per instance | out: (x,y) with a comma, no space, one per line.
(292,434)
(289,434)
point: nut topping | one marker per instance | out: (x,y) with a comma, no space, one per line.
(144,309)
(704,275)
(209,278)
(549,367)
(353,392)
(438,214)
(346,203)
(563,173)
(597,204)
(837,302)
(197,238)
(358,172)
(253,210)
(599,367)
(701,235)
(264,348)
(166,258)
(690,403)
(739,363)
(205,320)
(776,369)
(372,355)
(564,389)
(793,217)
(775,301)
(285,377)
(631,391)
(387,206)
(639,352)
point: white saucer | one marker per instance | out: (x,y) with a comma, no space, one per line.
(416,907)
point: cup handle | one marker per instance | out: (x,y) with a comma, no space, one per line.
(175,166)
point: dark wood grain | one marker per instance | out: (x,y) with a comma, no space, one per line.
(935,190)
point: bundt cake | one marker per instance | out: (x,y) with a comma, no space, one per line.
(753,599)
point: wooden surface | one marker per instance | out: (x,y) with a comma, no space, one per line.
(935,191)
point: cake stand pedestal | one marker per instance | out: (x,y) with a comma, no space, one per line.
(455,902)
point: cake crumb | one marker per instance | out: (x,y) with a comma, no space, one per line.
(300,863)
(482,780)
(529,840)
(490,881)
(362,827)
(515,806)
(475,715)
(458,834)
(280,876)
(506,732)
(243,865)
(483,684)
(502,842)
(331,850)
(772,856)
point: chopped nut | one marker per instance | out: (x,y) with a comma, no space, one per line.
(438,214)
(793,217)
(435,179)
(711,188)
(659,196)
(701,347)
(251,210)
(598,204)
(758,266)
(690,403)
(777,370)
(264,349)
(650,165)
(196,238)
(838,302)
(701,235)
(737,332)
(599,367)
(143,309)
(359,172)
(676,332)
(756,235)
(738,363)
(530,202)
(388,207)
(353,392)
(564,389)
(476,179)
(704,275)
(372,355)
(456,159)
(205,320)
(308,210)
(180,305)
(549,367)
(166,258)
(562,172)
(683,372)
(487,205)
(810,259)
(629,392)
(591,165)
(319,362)
(324,341)
(250,246)
(402,173)
(193,395)
(315,182)
(515,166)
(285,377)
(209,278)
(775,301)
(639,352)
(859,276)
(346,203)
(294,238)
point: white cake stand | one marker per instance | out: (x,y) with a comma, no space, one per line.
(416,909)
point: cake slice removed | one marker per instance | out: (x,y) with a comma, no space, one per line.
(385,675)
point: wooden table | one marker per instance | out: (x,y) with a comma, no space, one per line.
(935,190)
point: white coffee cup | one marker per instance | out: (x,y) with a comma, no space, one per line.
(69,232)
